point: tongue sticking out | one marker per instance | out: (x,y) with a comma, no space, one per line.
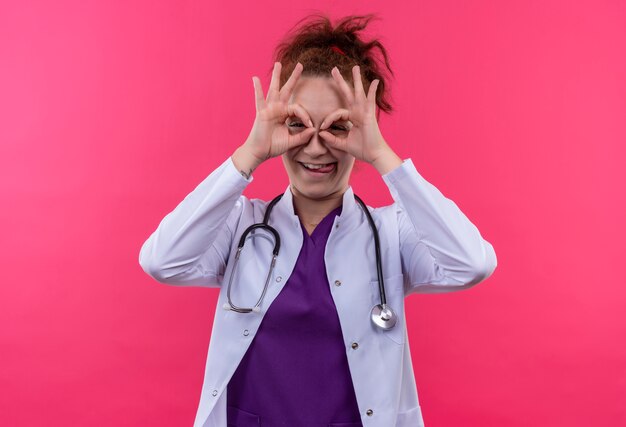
(325,169)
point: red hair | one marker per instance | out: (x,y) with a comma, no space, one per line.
(319,46)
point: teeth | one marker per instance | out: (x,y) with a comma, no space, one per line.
(311,166)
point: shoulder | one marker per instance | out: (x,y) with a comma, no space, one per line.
(387,213)
(253,209)
(386,219)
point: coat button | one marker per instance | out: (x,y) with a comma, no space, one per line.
(279,278)
(214,393)
(369,412)
(355,345)
(337,282)
(246,333)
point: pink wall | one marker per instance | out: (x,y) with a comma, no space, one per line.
(113,111)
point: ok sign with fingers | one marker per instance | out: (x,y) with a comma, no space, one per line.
(364,141)
(269,136)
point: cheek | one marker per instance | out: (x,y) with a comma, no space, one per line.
(346,171)
(290,165)
(287,164)
(351,166)
(346,160)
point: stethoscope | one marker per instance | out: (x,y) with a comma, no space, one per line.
(382,315)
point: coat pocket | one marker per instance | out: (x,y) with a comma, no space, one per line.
(239,418)
(410,418)
(395,299)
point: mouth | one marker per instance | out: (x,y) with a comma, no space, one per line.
(319,168)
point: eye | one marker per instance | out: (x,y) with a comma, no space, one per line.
(338,128)
(295,125)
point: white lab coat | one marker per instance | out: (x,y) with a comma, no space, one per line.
(427,245)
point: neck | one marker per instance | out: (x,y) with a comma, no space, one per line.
(312,211)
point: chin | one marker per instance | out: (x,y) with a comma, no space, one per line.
(315,192)
(315,185)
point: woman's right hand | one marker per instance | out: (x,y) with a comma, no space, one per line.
(270,135)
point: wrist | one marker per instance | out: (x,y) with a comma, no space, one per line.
(387,161)
(245,162)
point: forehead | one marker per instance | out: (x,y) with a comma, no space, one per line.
(319,96)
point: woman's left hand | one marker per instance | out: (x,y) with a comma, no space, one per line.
(364,140)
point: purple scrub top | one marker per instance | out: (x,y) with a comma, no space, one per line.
(295,372)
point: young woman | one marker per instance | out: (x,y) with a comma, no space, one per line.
(316,335)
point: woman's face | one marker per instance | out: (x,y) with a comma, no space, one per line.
(315,170)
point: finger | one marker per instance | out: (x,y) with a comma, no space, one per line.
(358,83)
(300,138)
(259,99)
(273,90)
(298,111)
(371,93)
(340,114)
(343,86)
(334,142)
(285,91)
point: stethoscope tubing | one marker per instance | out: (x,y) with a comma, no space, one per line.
(379,266)
(382,315)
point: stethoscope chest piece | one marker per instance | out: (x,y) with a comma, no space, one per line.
(383,316)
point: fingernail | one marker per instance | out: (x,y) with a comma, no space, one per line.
(310,123)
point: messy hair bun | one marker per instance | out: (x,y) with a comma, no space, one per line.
(319,46)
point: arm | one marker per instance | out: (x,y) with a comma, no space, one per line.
(441,249)
(192,243)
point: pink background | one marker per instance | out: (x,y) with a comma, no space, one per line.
(112,111)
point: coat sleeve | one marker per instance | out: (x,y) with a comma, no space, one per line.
(441,249)
(192,243)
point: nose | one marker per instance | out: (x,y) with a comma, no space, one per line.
(316,146)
